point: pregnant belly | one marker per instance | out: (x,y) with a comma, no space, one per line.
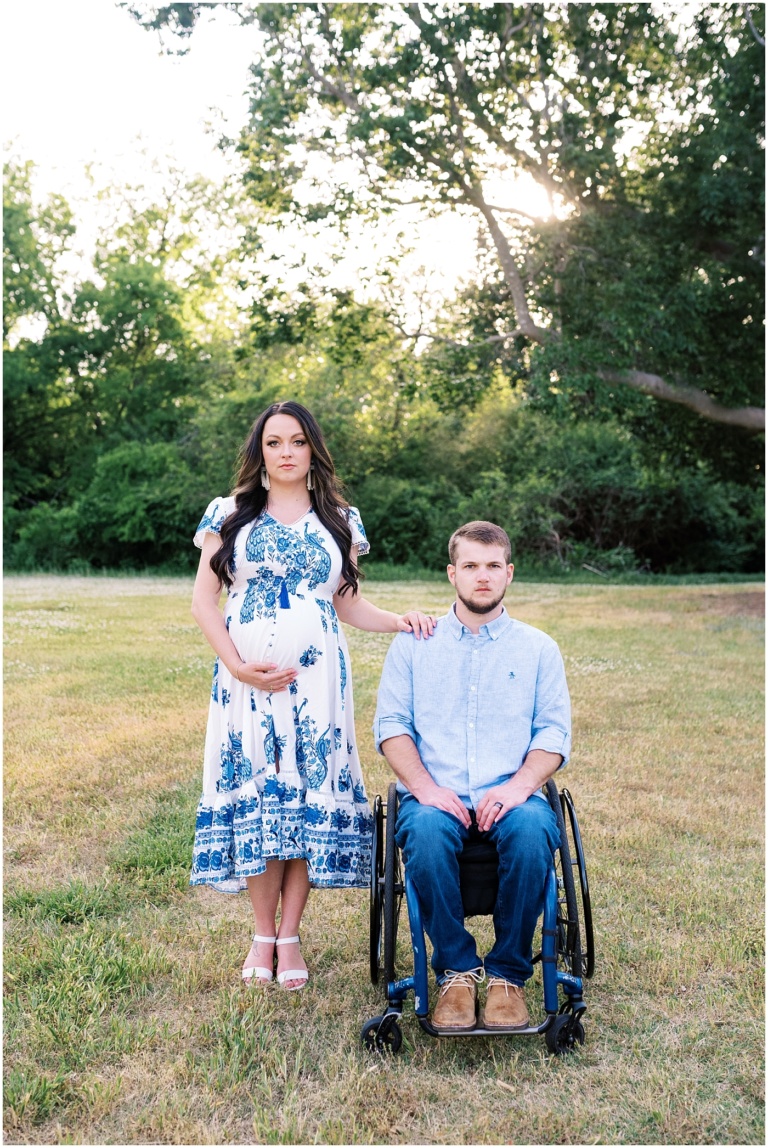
(293,639)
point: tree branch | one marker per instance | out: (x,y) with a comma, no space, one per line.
(748,418)
(467,90)
(760,39)
(510,29)
(514,211)
(338,93)
(512,276)
(416,335)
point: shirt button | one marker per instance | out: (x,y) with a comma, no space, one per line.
(473,688)
(471,725)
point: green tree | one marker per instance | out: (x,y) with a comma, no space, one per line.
(34,238)
(128,352)
(645,135)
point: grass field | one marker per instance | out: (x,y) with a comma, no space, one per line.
(125,1021)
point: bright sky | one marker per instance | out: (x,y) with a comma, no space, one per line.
(81,81)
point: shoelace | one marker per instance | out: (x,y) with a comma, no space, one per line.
(507,986)
(466,980)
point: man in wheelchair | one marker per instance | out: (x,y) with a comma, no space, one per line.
(473,723)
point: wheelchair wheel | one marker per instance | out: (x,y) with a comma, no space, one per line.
(382,1034)
(582,886)
(564,1035)
(393,886)
(377,888)
(569,949)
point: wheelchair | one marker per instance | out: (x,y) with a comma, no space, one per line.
(566,956)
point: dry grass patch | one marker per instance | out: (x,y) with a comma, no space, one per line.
(124,1018)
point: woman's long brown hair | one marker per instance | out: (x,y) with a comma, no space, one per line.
(251,497)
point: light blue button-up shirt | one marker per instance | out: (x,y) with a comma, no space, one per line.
(475,704)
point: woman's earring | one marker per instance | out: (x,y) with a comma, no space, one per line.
(309,479)
(264,478)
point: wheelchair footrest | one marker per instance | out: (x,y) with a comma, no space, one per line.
(478,1030)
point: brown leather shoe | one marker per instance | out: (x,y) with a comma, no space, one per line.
(455,1010)
(504,1006)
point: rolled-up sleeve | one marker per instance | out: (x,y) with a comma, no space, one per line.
(551,725)
(394,706)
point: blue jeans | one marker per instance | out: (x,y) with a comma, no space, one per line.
(431,840)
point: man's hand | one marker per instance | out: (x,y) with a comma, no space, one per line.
(539,765)
(442,798)
(499,800)
(401,753)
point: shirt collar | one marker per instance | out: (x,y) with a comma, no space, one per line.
(491,630)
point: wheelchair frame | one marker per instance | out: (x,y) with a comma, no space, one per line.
(567,942)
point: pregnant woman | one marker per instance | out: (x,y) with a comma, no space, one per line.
(284,805)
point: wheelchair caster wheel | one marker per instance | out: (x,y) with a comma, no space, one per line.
(382,1034)
(564,1035)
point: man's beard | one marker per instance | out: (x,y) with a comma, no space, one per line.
(483,607)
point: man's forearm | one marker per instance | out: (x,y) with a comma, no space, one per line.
(403,757)
(536,770)
(401,753)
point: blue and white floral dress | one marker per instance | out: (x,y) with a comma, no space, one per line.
(282,776)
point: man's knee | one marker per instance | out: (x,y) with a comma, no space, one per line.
(530,828)
(425,833)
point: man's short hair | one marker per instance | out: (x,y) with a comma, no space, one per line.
(486,532)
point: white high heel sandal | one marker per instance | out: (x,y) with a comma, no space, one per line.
(254,971)
(291,974)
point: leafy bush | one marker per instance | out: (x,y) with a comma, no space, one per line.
(409,523)
(47,538)
(141,508)
(585,492)
(697,524)
(566,492)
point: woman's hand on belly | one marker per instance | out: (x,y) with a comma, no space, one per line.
(265,676)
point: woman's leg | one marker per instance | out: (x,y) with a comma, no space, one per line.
(264,892)
(295,892)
